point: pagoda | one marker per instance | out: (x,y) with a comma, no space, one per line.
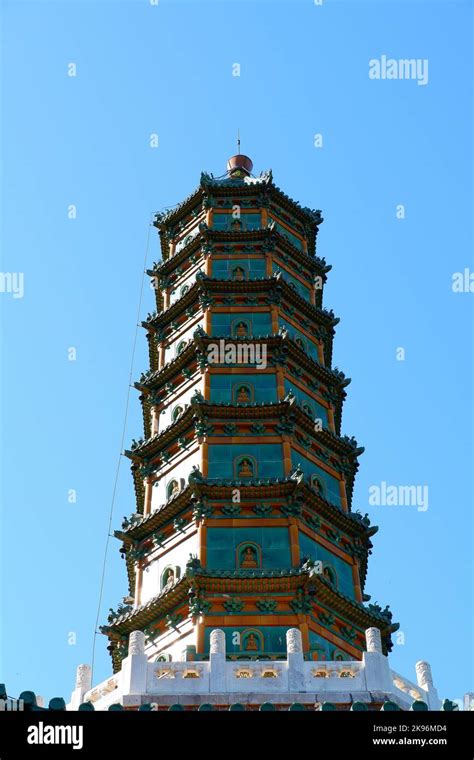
(244,549)
(243,480)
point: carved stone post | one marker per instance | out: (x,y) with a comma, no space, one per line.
(136,643)
(83,677)
(377,674)
(294,649)
(133,676)
(373,640)
(217,663)
(83,685)
(424,679)
(424,676)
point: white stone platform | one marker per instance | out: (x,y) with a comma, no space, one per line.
(219,681)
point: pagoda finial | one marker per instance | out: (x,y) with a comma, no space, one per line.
(239,165)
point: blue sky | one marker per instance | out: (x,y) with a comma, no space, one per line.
(84,140)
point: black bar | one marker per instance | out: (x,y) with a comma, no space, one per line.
(336,734)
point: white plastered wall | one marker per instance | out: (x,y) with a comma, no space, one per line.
(181,399)
(179,472)
(174,555)
(188,234)
(170,351)
(173,642)
(189,281)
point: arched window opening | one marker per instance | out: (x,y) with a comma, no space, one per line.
(172,488)
(317,485)
(177,412)
(238,273)
(252,640)
(249,555)
(164,658)
(241,329)
(169,576)
(243,393)
(245,467)
(300,342)
(330,575)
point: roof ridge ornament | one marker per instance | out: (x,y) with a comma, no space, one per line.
(239,166)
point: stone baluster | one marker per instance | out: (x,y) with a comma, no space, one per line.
(217,662)
(424,676)
(424,679)
(377,674)
(373,640)
(83,685)
(294,649)
(133,676)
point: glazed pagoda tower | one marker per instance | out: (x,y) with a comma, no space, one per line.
(244,519)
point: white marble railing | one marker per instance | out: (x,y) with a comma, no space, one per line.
(407,687)
(251,675)
(254,676)
(335,677)
(291,679)
(105,692)
(177,677)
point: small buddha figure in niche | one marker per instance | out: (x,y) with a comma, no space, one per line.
(249,557)
(238,273)
(169,579)
(251,643)
(174,488)
(327,572)
(245,469)
(242,330)
(243,395)
(317,487)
